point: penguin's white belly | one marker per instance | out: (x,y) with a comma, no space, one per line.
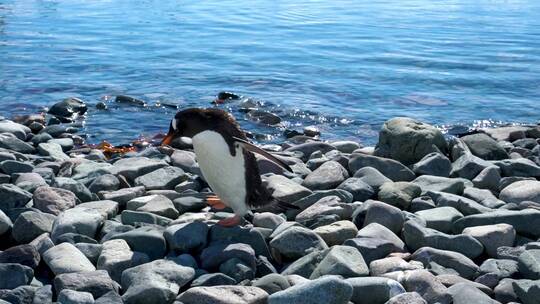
(223,172)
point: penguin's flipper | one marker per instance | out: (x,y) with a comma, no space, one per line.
(251,147)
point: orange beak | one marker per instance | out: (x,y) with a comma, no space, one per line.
(168,139)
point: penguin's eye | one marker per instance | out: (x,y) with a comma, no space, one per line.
(173,124)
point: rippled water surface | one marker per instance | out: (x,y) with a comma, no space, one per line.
(346,66)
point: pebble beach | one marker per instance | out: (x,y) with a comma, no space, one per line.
(419,217)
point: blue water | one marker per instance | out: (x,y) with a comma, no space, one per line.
(345,66)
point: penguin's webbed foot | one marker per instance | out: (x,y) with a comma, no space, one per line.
(230,222)
(215,202)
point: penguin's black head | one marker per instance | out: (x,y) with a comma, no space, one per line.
(190,122)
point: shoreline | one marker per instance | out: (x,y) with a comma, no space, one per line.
(420,217)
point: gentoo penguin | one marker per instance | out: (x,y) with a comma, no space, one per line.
(226,160)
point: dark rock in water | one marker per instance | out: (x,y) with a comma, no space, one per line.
(311,131)
(101,106)
(485,147)
(68,108)
(264,117)
(291,133)
(226,96)
(130,100)
(14,275)
(408,140)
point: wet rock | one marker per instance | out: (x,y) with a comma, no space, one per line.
(129,100)
(523,221)
(107,209)
(66,258)
(345,261)
(97,282)
(26,255)
(441,218)
(224,295)
(91,251)
(187,236)
(68,108)
(399,194)
(8,126)
(13,197)
(157,204)
(116,256)
(296,242)
(484,197)
(43,295)
(346,146)
(330,205)
(30,181)
(417,236)
(285,190)
(462,204)
(267,220)
(520,167)
(53,200)
(263,117)
(391,264)
(147,240)
(106,182)
(408,140)
(493,236)
(308,148)
(529,264)
(360,190)
(133,167)
(468,166)
(521,191)
(10,142)
(68,296)
(327,176)
(449,259)
(388,167)
(237,269)
(52,150)
(374,290)
(246,235)
(434,164)
(425,284)
(164,178)
(381,213)
(440,184)
(155,282)
(14,166)
(337,233)
(13,275)
(213,279)
(5,223)
(485,147)
(42,243)
(78,220)
(372,177)
(463,293)
(323,290)
(407,298)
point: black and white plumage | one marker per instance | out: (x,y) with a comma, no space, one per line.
(225,157)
